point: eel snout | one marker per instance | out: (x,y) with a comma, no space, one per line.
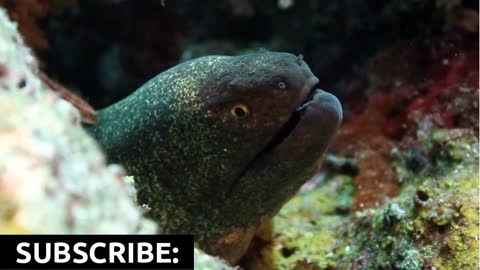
(315,123)
(328,108)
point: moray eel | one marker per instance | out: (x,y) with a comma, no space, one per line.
(218,144)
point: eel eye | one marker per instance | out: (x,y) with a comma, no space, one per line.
(240,110)
(282,85)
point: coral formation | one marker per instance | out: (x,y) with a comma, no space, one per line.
(439,91)
(363,139)
(432,223)
(48,160)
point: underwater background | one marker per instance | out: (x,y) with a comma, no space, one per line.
(398,189)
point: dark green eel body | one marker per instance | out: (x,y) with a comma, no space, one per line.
(218,144)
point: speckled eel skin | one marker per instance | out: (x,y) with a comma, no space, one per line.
(218,144)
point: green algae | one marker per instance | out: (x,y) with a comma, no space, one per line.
(308,225)
(431,224)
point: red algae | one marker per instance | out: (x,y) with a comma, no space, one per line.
(441,90)
(453,72)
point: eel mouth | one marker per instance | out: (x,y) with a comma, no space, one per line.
(317,105)
(312,98)
(290,125)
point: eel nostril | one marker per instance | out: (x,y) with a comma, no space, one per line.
(299,59)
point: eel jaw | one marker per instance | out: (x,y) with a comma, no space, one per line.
(319,116)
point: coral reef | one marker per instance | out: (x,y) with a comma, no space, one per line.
(363,139)
(431,224)
(435,86)
(48,160)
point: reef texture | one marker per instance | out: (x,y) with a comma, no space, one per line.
(53,176)
(411,89)
(431,224)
